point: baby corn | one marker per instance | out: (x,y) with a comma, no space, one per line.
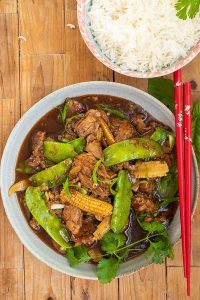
(151,169)
(102,228)
(88,203)
(107,133)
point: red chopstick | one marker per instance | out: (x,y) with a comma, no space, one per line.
(178,96)
(188,175)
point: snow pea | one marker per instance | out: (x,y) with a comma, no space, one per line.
(160,135)
(138,148)
(56,151)
(51,223)
(52,176)
(122,202)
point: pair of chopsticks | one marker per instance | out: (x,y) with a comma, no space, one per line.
(183,120)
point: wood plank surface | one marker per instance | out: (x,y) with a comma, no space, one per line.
(42,26)
(39,53)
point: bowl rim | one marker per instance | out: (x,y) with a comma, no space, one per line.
(22,226)
(86,35)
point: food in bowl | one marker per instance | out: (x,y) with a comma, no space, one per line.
(141,35)
(96,179)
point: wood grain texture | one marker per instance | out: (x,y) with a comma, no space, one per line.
(148,283)
(176,287)
(135,82)
(81,65)
(42,283)
(8,6)
(40,75)
(11,284)
(42,25)
(9,76)
(93,290)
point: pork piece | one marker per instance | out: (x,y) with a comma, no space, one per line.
(121,129)
(148,187)
(90,124)
(162,217)
(170,159)
(37,158)
(94,146)
(85,234)
(141,203)
(73,218)
(75,108)
(125,165)
(86,162)
(105,173)
(102,189)
(139,122)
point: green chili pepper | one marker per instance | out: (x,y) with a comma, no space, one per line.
(122,202)
(113,111)
(51,223)
(159,135)
(52,176)
(138,148)
(78,144)
(171,137)
(56,151)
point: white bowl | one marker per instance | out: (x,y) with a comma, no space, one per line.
(36,246)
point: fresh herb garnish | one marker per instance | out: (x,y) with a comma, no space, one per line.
(166,201)
(160,249)
(107,269)
(187,8)
(77,255)
(113,111)
(112,241)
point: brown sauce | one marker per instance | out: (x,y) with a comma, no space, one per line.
(52,124)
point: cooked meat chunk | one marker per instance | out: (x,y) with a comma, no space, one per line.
(162,217)
(86,161)
(121,129)
(94,147)
(75,107)
(105,173)
(102,189)
(85,235)
(34,224)
(90,124)
(147,187)
(37,158)
(128,166)
(170,159)
(139,122)
(141,203)
(73,217)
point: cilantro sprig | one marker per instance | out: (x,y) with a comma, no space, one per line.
(187,8)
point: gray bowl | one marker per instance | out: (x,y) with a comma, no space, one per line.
(12,148)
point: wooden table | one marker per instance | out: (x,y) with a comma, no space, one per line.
(39,53)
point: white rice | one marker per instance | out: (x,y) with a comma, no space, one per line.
(142,35)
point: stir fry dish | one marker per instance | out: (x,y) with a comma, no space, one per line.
(96,179)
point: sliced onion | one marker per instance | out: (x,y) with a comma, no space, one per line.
(19,186)
(57,206)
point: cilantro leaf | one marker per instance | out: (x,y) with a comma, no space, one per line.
(152,227)
(77,255)
(112,241)
(168,185)
(160,249)
(163,90)
(166,201)
(187,8)
(107,269)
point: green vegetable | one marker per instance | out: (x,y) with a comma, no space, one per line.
(122,202)
(63,112)
(52,176)
(152,227)
(78,144)
(166,201)
(168,185)
(51,223)
(57,152)
(138,148)
(107,269)
(159,135)
(113,111)
(94,172)
(171,136)
(66,187)
(160,249)
(112,241)
(187,8)
(24,168)
(163,90)
(77,255)
(196,130)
